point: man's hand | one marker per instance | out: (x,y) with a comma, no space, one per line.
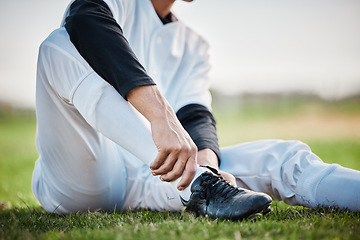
(177,151)
(207,157)
(228,177)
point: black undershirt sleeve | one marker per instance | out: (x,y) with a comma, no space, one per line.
(100,41)
(199,122)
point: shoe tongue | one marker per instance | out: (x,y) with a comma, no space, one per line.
(195,186)
(211,169)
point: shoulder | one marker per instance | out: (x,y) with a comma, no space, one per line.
(192,36)
(122,9)
(194,42)
(58,48)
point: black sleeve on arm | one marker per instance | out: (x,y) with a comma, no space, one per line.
(199,122)
(100,41)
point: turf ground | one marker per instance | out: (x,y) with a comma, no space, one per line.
(331,129)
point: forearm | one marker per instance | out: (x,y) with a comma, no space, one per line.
(199,122)
(151,104)
(176,151)
(207,157)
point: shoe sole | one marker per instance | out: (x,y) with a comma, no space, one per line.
(265,210)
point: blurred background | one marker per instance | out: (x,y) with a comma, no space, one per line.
(257,46)
(281,69)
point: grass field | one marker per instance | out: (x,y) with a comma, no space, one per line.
(331,129)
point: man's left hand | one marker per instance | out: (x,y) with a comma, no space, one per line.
(207,157)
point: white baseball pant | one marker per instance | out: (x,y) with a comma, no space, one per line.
(287,170)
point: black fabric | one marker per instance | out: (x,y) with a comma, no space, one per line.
(168,18)
(199,122)
(100,41)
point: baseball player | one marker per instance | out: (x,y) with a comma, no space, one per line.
(124,118)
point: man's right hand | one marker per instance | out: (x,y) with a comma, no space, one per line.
(177,151)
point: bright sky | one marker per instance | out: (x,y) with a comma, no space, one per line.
(256,46)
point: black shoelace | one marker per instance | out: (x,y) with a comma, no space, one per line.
(215,186)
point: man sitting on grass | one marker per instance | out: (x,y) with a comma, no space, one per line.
(124,121)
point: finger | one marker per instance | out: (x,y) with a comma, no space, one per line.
(167,165)
(176,172)
(160,158)
(190,170)
(228,177)
(179,164)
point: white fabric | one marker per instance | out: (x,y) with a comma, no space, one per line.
(340,188)
(289,171)
(94,148)
(172,54)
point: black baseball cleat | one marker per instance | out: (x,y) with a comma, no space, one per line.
(212,196)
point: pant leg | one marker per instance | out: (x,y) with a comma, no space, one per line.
(79,167)
(289,171)
(146,191)
(340,188)
(81,186)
